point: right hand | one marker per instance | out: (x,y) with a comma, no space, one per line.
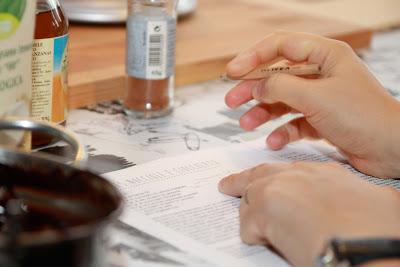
(298,207)
(346,106)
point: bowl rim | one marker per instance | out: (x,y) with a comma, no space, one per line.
(44,237)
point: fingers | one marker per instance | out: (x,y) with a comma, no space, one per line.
(262,113)
(240,94)
(293,46)
(243,63)
(258,215)
(292,131)
(236,184)
(298,93)
(249,230)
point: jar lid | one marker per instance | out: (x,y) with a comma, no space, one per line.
(154,3)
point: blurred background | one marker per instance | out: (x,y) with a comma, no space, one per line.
(110,11)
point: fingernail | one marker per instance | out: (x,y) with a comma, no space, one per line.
(274,142)
(236,99)
(278,139)
(258,90)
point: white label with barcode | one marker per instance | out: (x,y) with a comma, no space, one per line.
(151,48)
(156,49)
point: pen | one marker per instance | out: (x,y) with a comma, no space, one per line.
(263,71)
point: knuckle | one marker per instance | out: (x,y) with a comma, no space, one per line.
(342,47)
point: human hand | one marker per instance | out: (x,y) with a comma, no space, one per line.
(298,207)
(346,106)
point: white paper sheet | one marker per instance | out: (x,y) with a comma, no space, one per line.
(176,199)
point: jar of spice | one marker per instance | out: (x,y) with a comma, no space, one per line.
(150,63)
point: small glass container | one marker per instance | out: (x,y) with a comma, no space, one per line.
(150,62)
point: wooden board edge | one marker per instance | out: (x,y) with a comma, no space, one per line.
(95,92)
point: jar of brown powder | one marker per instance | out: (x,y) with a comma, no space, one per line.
(150,64)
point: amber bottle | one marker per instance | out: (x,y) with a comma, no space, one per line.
(49,67)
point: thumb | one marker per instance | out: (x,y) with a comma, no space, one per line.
(298,93)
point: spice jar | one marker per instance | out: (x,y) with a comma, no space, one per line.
(150,63)
(49,67)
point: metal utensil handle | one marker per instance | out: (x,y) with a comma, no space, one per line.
(47,128)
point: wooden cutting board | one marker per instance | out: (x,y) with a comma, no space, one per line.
(374,14)
(206,41)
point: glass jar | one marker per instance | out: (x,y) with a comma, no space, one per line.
(150,63)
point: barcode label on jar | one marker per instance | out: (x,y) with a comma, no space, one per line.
(155,50)
(151,48)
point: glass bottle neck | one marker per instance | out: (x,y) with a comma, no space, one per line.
(46,5)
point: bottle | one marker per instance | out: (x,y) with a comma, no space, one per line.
(17,20)
(49,67)
(151,35)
